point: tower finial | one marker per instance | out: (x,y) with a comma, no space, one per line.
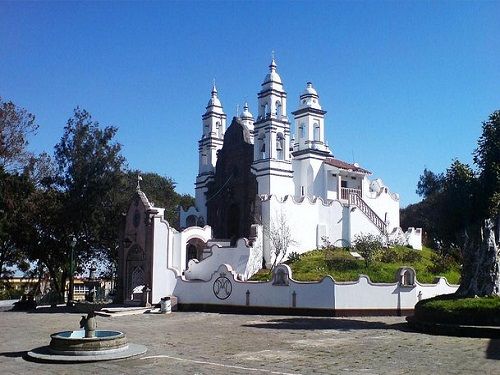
(139,179)
(214,88)
(273,62)
(237,110)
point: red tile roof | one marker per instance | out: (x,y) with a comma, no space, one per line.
(344,165)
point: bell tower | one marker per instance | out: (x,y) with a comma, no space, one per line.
(310,123)
(212,140)
(310,148)
(272,160)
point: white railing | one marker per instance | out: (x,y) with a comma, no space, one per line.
(356,200)
(345,192)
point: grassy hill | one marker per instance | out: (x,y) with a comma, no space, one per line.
(342,266)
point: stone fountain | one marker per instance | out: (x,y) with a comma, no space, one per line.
(87,345)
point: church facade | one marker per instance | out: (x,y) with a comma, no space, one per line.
(260,171)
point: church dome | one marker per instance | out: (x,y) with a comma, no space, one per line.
(309,97)
(214,104)
(310,90)
(246,113)
(214,100)
(272,78)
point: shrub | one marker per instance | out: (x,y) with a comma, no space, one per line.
(368,246)
(389,255)
(293,257)
(441,263)
(449,309)
(410,256)
(339,259)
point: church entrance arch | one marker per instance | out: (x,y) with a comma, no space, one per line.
(194,249)
(233,223)
(136,273)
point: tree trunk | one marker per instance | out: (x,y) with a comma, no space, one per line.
(481,267)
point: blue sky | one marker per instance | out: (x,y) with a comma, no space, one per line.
(406,84)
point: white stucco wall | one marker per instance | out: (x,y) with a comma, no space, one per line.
(414,237)
(244,259)
(303,217)
(325,294)
(383,202)
(360,224)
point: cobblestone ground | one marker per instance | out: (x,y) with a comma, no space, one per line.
(202,343)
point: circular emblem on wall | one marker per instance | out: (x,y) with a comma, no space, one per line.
(137,218)
(222,287)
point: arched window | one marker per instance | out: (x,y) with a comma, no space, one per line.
(218,128)
(266,110)
(301,130)
(262,146)
(204,159)
(280,146)
(316,131)
(278,109)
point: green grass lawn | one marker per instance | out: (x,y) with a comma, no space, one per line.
(342,266)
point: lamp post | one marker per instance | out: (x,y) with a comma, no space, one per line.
(71,272)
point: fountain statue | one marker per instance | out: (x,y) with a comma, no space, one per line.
(87,345)
(89,324)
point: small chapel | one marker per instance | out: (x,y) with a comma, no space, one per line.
(262,170)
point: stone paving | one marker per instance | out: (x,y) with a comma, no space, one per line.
(203,343)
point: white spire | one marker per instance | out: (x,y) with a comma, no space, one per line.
(272,67)
(214,103)
(246,113)
(214,89)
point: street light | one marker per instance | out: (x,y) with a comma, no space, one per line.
(71,272)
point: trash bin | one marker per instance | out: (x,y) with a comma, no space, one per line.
(165,305)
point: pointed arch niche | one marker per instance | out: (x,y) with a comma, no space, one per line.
(136,273)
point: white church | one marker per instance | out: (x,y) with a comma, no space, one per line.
(298,180)
(255,176)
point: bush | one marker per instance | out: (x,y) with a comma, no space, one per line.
(293,257)
(389,255)
(368,246)
(448,309)
(410,256)
(441,263)
(339,259)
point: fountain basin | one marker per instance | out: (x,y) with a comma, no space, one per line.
(75,343)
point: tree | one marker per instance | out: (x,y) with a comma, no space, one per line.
(14,190)
(461,207)
(280,237)
(481,266)
(429,183)
(161,191)
(77,194)
(368,246)
(16,124)
(89,168)
(487,159)
(447,209)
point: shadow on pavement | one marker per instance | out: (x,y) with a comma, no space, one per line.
(340,324)
(493,349)
(14,354)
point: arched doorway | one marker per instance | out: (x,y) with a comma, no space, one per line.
(136,273)
(233,223)
(194,250)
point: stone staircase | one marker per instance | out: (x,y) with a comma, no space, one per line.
(356,200)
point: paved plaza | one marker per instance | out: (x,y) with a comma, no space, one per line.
(208,343)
